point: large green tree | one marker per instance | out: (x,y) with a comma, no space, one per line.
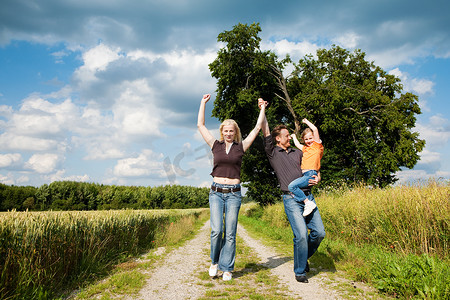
(243,75)
(365,121)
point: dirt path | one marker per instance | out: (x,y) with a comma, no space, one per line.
(176,277)
(182,274)
(283,268)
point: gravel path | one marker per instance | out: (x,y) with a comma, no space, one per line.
(177,275)
(283,268)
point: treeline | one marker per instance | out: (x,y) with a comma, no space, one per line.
(71,195)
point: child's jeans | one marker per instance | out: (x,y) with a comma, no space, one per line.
(295,187)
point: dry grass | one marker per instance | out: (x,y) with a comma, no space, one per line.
(38,247)
(407,219)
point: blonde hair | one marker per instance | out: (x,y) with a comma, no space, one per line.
(305,132)
(237,135)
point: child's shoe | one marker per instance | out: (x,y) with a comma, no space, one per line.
(227,276)
(213,270)
(309,207)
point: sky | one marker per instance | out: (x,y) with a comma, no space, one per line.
(108,91)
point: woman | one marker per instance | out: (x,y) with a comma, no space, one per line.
(225,194)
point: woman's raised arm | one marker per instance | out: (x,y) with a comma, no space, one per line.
(207,136)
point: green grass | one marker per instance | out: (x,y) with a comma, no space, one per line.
(121,283)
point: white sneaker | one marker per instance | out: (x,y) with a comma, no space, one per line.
(213,270)
(226,276)
(309,207)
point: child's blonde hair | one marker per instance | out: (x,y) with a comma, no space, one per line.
(305,132)
(237,136)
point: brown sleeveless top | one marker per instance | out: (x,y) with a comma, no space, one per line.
(227,165)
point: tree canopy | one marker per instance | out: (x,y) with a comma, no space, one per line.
(365,120)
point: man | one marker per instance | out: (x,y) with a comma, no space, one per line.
(286,162)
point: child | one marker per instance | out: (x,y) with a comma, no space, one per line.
(312,154)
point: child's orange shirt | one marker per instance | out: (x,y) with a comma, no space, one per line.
(312,156)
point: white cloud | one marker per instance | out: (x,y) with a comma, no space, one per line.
(205,184)
(189,72)
(98,58)
(63,93)
(5,110)
(43,163)
(440,122)
(296,50)
(9,141)
(133,118)
(419,86)
(391,56)
(422,86)
(10,159)
(409,176)
(145,164)
(59,175)
(95,61)
(22,180)
(141,104)
(419,176)
(180,74)
(134,114)
(5,114)
(38,125)
(443,174)
(347,40)
(429,157)
(35,124)
(8,179)
(102,151)
(436,133)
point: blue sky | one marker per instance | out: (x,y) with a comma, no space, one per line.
(108,91)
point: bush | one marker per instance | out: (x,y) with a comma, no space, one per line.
(275,215)
(252,209)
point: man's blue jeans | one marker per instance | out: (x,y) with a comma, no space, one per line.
(300,183)
(305,245)
(224,211)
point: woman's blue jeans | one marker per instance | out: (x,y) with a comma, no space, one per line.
(305,244)
(224,211)
(300,183)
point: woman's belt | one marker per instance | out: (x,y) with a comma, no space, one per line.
(225,190)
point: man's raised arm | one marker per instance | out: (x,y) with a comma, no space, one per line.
(265,125)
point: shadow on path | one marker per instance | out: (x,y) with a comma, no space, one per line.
(271,263)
